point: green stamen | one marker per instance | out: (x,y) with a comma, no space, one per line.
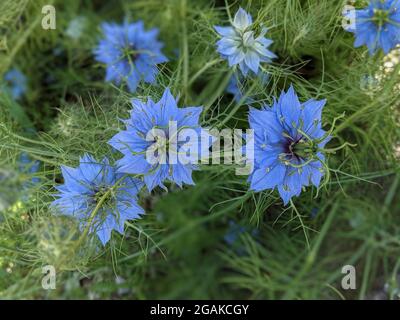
(380,17)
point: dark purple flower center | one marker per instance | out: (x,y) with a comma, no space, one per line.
(291,149)
(298,149)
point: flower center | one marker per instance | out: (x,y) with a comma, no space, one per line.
(130,52)
(380,17)
(103,191)
(299,149)
(246,40)
(158,151)
(161,144)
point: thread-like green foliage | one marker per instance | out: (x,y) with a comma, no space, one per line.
(177,250)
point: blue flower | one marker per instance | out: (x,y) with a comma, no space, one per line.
(377,26)
(130,53)
(235,232)
(93,183)
(241,46)
(152,143)
(314,212)
(288,142)
(16,83)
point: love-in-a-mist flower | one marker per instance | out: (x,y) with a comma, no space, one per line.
(16,83)
(99,197)
(240,44)
(161,141)
(288,145)
(130,53)
(376,26)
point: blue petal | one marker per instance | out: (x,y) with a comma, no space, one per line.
(182,174)
(311,114)
(133,164)
(73,181)
(225,31)
(253,61)
(267,178)
(265,122)
(290,108)
(242,19)
(156,178)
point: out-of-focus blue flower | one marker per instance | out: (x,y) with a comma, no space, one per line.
(95,183)
(235,231)
(76,27)
(236,86)
(16,184)
(377,26)
(16,83)
(314,212)
(288,143)
(130,52)
(147,143)
(241,46)
(9,189)
(28,166)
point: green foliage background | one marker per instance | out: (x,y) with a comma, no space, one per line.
(178,250)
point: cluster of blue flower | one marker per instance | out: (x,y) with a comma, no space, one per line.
(289,139)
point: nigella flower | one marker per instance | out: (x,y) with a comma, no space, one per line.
(377,26)
(154,142)
(16,83)
(97,186)
(241,46)
(288,143)
(130,52)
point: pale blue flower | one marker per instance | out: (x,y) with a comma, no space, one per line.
(241,46)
